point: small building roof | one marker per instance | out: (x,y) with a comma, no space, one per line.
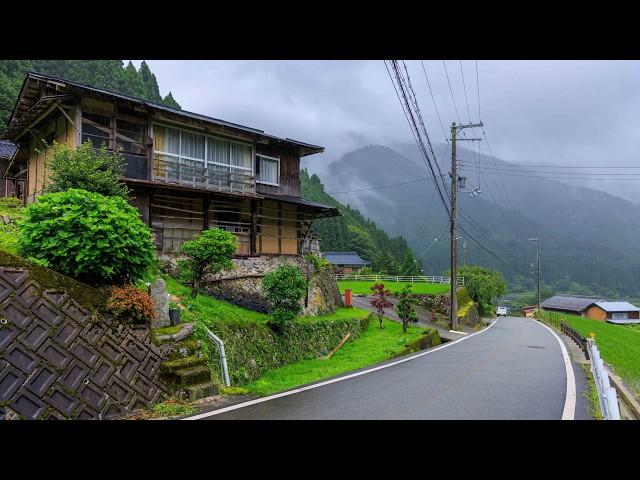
(571,303)
(7,150)
(618,307)
(345,258)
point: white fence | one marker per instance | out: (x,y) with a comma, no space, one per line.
(606,393)
(397,278)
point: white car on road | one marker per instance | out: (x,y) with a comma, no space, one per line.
(501,311)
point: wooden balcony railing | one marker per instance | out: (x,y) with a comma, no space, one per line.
(233,180)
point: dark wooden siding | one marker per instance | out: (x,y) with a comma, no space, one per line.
(289,171)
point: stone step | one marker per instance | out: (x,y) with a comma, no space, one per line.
(184,348)
(192,376)
(201,390)
(172,366)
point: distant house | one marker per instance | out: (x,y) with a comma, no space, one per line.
(570,304)
(529,310)
(346,262)
(614,312)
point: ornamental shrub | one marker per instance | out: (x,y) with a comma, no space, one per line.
(131,304)
(208,253)
(93,169)
(95,239)
(319,263)
(284,288)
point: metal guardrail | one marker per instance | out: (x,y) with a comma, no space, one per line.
(397,278)
(606,393)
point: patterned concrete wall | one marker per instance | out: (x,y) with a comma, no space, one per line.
(57,360)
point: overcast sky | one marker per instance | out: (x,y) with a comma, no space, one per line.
(541,112)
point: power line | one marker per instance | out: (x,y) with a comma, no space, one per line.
(521,170)
(376,187)
(434,102)
(527,165)
(451,90)
(414,127)
(464,86)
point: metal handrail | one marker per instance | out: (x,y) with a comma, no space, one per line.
(223,357)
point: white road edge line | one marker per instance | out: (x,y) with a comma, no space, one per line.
(569,411)
(339,379)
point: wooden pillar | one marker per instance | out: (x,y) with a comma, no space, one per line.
(279,227)
(254,228)
(206,201)
(151,194)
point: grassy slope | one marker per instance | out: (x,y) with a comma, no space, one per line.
(12,208)
(373,346)
(211,310)
(619,345)
(359,288)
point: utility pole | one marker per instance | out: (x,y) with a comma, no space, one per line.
(454,209)
(537,240)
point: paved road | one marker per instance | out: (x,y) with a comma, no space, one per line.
(513,370)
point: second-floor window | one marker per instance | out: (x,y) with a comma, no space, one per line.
(267,170)
(200,159)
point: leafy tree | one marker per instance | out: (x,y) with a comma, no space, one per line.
(93,238)
(483,284)
(410,265)
(405,307)
(152,92)
(380,302)
(208,253)
(284,288)
(86,168)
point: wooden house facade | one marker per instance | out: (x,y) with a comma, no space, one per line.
(187,172)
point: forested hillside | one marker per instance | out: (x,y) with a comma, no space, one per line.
(354,232)
(108,74)
(588,237)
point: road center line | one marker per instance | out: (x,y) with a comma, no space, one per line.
(569,410)
(339,379)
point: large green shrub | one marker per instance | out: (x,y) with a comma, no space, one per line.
(284,288)
(87,236)
(88,168)
(208,253)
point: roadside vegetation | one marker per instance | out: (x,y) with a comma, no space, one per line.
(374,345)
(364,288)
(11,212)
(619,345)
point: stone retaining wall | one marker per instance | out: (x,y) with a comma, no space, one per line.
(242,285)
(60,360)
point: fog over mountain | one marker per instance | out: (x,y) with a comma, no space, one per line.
(588,236)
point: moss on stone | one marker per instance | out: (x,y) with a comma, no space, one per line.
(91,298)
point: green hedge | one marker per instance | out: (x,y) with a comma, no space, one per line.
(253,348)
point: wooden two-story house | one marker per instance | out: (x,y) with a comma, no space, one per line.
(187,172)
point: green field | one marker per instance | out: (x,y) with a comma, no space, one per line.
(619,345)
(361,288)
(373,346)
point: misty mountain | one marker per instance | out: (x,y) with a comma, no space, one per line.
(588,236)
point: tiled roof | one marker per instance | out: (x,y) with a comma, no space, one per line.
(617,307)
(7,150)
(569,303)
(345,258)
